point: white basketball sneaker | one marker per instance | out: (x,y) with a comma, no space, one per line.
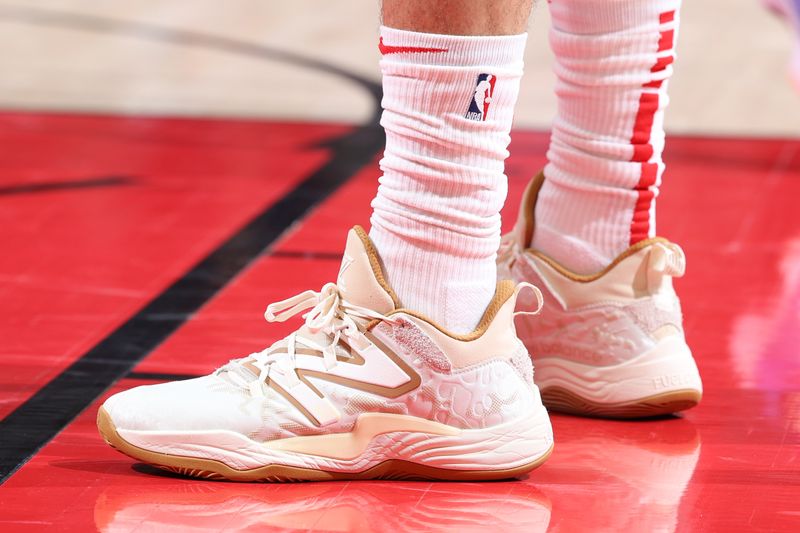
(609,344)
(364,389)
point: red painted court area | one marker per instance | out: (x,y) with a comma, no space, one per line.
(101,216)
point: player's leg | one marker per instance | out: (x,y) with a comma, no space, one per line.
(409,364)
(613,62)
(611,340)
(451,73)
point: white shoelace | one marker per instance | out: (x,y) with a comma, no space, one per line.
(330,314)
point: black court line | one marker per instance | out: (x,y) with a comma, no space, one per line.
(34,423)
(48,186)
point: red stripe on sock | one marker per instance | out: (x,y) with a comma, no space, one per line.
(648,177)
(640,224)
(666,41)
(642,126)
(640,139)
(642,152)
(662,63)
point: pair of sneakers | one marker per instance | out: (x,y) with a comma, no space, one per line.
(368,389)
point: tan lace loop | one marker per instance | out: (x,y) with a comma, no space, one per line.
(536,292)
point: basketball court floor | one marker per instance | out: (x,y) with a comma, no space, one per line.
(168,168)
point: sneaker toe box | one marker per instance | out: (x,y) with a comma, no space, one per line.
(199,404)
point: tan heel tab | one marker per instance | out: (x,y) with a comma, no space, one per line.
(526,224)
(537,295)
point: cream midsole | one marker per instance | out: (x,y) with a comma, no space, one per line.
(352,444)
(377,437)
(667,367)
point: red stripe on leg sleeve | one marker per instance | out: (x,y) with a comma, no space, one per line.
(648,105)
(662,63)
(642,130)
(666,41)
(648,177)
(640,223)
(642,126)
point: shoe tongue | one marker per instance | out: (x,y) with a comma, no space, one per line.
(361,280)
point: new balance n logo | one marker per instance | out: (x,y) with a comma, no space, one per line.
(372,367)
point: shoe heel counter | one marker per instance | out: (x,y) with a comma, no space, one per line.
(474,383)
(522,364)
(659,314)
(509,393)
(514,370)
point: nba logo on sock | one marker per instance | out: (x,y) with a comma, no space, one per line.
(481,98)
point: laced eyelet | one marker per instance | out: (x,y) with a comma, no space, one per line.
(324,312)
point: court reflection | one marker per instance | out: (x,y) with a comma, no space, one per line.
(190,505)
(603,476)
(765,335)
(619,476)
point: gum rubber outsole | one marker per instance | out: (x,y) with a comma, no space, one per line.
(562,400)
(210,469)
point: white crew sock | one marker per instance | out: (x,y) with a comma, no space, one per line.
(613,60)
(436,218)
